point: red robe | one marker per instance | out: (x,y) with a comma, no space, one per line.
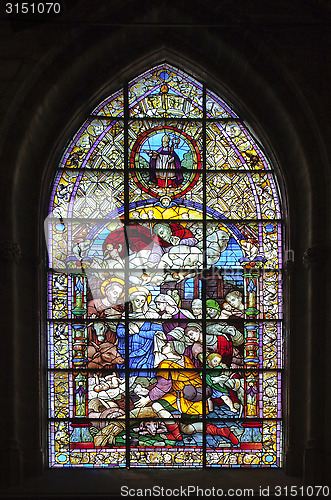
(225,349)
(136,236)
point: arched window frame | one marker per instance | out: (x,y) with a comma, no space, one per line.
(126,119)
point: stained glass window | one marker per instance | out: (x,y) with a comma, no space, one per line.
(164,317)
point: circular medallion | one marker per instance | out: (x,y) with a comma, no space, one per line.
(62,458)
(165,162)
(269,458)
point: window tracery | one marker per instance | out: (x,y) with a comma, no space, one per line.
(164,317)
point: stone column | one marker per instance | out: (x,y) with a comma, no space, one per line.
(314,260)
(11,453)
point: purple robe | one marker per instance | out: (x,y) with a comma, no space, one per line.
(171,154)
(168,326)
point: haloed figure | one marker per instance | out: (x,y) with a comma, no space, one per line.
(165,167)
(141,333)
(110,305)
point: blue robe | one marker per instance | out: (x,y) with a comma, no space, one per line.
(141,346)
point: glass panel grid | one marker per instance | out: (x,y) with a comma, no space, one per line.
(165,286)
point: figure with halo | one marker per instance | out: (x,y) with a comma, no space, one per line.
(165,166)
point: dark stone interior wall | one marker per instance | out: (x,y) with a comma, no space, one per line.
(273,61)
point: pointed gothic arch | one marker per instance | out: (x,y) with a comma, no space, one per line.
(162,197)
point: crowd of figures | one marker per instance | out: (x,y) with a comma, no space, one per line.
(160,343)
(165,245)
